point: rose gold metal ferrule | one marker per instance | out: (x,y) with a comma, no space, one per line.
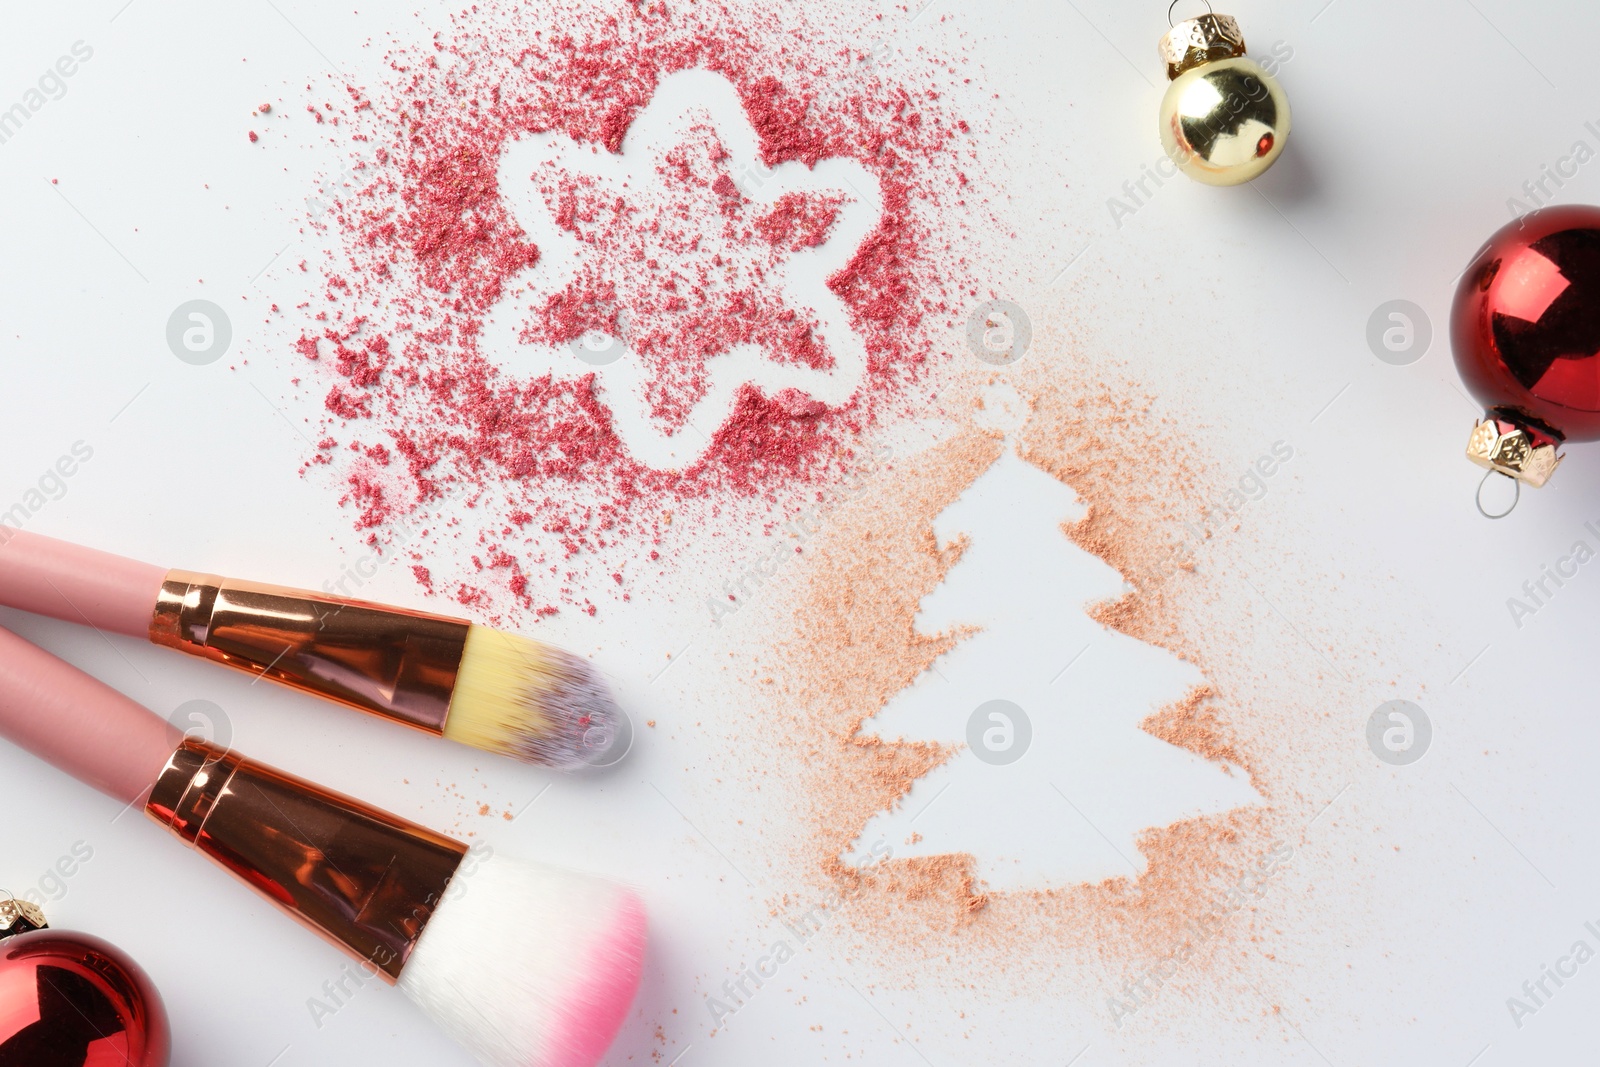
(393,662)
(364,879)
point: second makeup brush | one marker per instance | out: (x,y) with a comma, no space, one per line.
(482,687)
(526,965)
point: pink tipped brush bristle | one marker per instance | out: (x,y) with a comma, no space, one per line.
(497,691)
(525,965)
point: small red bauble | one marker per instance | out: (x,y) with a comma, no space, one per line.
(71,1000)
(1525,330)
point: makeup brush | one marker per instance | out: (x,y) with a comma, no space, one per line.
(473,684)
(525,965)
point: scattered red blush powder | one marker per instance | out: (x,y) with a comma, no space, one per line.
(422,250)
(691,261)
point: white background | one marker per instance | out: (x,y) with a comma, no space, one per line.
(1414,124)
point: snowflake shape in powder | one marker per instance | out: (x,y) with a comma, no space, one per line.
(682,270)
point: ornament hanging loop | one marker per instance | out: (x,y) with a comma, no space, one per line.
(1516,497)
(1174,4)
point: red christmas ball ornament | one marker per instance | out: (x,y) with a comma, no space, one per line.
(70,1000)
(1525,330)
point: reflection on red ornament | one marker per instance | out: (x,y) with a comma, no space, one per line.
(1526,323)
(70,1000)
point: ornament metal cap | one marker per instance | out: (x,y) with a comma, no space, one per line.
(19,917)
(1201,40)
(1516,451)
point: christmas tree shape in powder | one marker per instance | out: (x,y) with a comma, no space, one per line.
(1056,780)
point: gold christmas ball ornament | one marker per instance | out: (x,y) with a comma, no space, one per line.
(1224,119)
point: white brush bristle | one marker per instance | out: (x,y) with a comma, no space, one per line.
(528,965)
(531,701)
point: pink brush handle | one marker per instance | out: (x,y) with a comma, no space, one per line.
(80,725)
(76,584)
